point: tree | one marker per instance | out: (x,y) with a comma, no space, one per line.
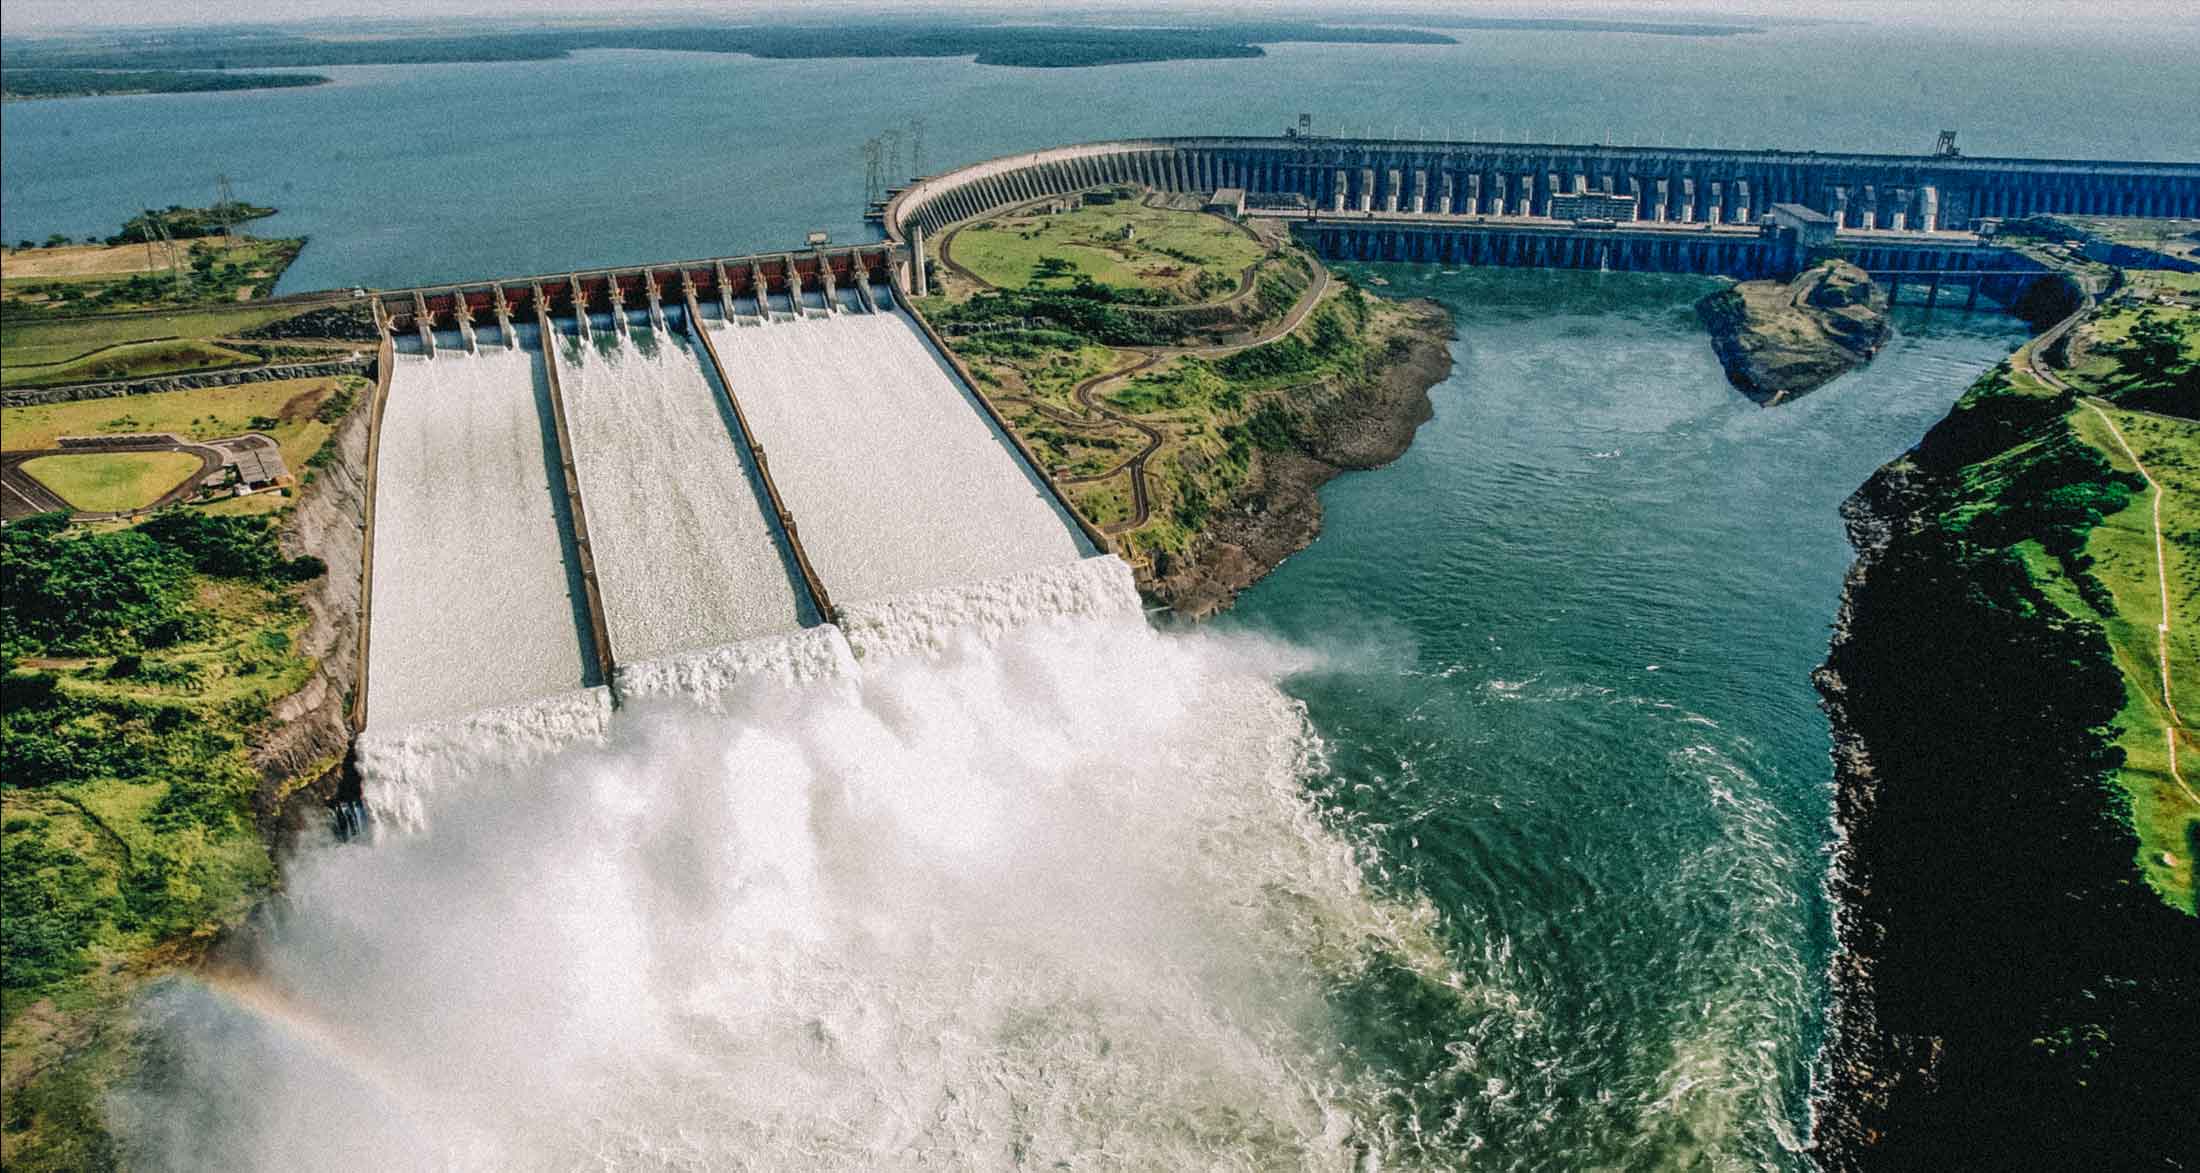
(2154,349)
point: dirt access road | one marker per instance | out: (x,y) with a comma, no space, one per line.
(1088,392)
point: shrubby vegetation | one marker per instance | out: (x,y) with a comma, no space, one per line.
(79,594)
(136,662)
(1088,309)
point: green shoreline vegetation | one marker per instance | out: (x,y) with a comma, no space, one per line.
(34,84)
(2015,885)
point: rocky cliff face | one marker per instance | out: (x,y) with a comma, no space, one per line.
(1780,340)
(302,756)
(2007,994)
(1277,512)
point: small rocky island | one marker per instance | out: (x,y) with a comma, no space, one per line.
(1779,340)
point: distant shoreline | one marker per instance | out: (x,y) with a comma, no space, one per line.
(199,60)
(38,85)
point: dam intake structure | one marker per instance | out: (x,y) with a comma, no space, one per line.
(1923,220)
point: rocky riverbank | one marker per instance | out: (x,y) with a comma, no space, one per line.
(1779,340)
(2006,993)
(1277,511)
(302,760)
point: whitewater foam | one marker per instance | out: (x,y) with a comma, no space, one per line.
(401,765)
(706,676)
(926,621)
(1049,892)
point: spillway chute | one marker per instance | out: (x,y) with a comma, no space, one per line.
(476,586)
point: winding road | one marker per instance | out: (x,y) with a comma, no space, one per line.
(1087,392)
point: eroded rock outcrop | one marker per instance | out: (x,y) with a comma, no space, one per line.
(1779,340)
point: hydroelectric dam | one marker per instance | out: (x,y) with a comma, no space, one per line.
(606,479)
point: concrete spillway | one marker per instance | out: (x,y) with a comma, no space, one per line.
(686,555)
(476,594)
(896,478)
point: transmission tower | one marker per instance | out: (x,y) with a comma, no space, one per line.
(873,151)
(168,245)
(893,156)
(225,208)
(916,146)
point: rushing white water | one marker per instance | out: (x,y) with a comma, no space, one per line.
(473,602)
(1052,896)
(941,499)
(685,554)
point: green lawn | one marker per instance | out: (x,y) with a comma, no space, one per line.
(1192,256)
(2122,547)
(110,482)
(130,360)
